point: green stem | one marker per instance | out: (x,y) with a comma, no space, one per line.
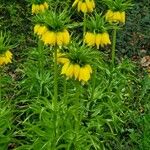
(77,104)
(93,83)
(65,90)
(0,84)
(114,46)
(55,98)
(84,24)
(41,62)
(41,55)
(55,79)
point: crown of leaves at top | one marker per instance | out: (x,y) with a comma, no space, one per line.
(97,24)
(81,54)
(53,20)
(118,5)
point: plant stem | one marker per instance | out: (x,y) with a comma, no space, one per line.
(93,83)
(41,62)
(65,90)
(41,55)
(84,24)
(55,79)
(0,84)
(77,119)
(77,104)
(114,46)
(55,98)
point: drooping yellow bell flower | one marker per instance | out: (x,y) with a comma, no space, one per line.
(66,37)
(90,5)
(84,74)
(42,30)
(115,16)
(69,71)
(5,58)
(49,38)
(65,67)
(79,73)
(76,70)
(60,38)
(37,8)
(89,39)
(99,39)
(36,27)
(105,39)
(84,6)
(61,58)
(56,38)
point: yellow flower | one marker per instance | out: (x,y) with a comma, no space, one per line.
(41,7)
(123,15)
(89,39)
(90,5)
(89,68)
(86,6)
(66,37)
(100,39)
(36,27)
(33,8)
(83,7)
(82,74)
(65,67)
(79,5)
(85,72)
(49,38)
(70,71)
(63,38)
(115,16)
(5,58)
(53,38)
(105,39)
(76,70)
(60,38)
(45,5)
(37,8)
(61,59)
(41,30)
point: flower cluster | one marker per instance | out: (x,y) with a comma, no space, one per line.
(115,16)
(84,6)
(99,39)
(5,58)
(81,73)
(37,8)
(40,29)
(61,58)
(116,10)
(51,37)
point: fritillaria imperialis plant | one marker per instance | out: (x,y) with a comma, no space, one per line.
(97,32)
